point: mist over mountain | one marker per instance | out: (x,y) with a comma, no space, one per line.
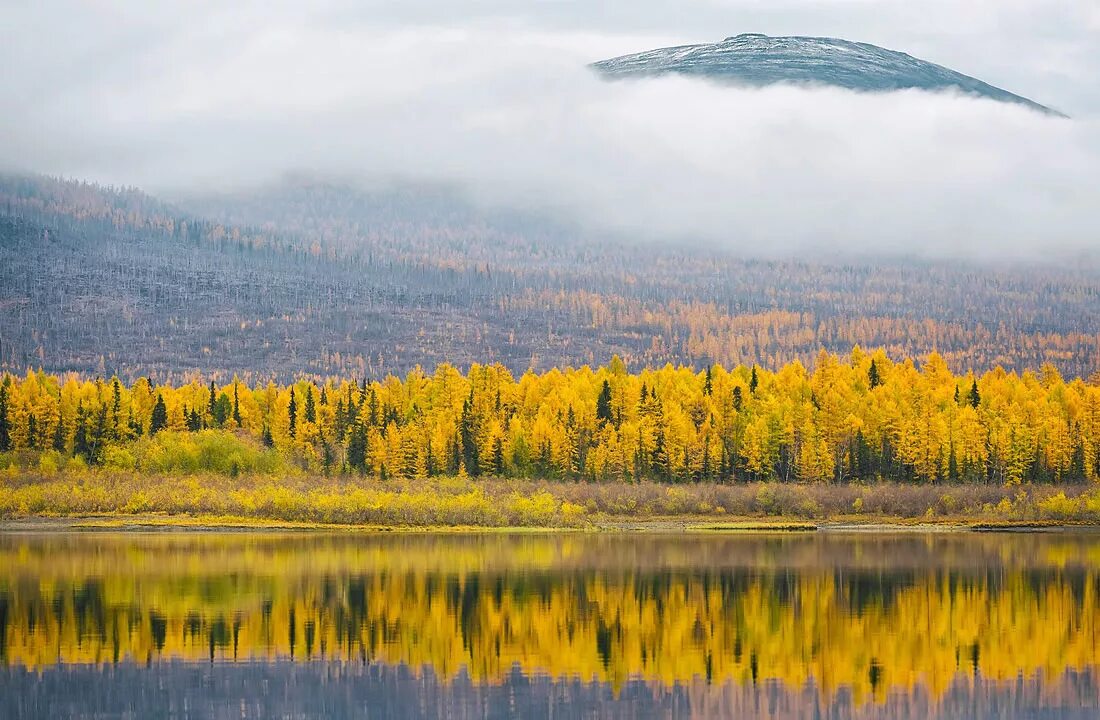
(421,95)
(757,60)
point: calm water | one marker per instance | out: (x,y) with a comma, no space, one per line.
(179,625)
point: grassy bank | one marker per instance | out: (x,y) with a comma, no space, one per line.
(436,502)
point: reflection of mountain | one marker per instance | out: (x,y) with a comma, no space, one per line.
(307,690)
(842,626)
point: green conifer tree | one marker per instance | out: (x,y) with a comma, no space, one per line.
(5,419)
(292,415)
(159,419)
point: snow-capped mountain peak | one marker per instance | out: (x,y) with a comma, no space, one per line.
(757,60)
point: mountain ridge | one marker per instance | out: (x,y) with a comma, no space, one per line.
(758,60)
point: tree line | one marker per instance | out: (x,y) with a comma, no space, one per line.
(860,418)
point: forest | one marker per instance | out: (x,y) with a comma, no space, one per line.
(863,417)
(325,279)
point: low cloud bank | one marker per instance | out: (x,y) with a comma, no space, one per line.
(512,114)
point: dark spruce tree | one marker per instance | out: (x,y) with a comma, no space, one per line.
(873,378)
(468,438)
(59,434)
(311,410)
(429,460)
(975,398)
(223,407)
(357,448)
(159,419)
(116,409)
(754,381)
(603,404)
(5,421)
(81,444)
(292,415)
(99,435)
(236,405)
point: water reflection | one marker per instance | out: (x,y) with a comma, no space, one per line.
(754,626)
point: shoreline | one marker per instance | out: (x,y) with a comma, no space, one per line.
(673,525)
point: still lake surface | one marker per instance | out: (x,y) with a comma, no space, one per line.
(303,625)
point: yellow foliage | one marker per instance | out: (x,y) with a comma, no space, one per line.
(672,424)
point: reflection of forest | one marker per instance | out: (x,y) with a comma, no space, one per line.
(570,607)
(332,690)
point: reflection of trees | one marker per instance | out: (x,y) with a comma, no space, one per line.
(869,632)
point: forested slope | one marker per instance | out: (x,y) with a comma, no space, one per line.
(325,279)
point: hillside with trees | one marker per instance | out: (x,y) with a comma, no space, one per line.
(319,279)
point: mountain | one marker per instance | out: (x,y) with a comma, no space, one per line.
(331,279)
(758,60)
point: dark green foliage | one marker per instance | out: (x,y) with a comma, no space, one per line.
(99,436)
(468,438)
(873,378)
(429,462)
(754,381)
(292,415)
(373,408)
(82,445)
(311,411)
(659,456)
(223,408)
(357,448)
(159,419)
(975,397)
(116,408)
(236,406)
(59,435)
(194,419)
(5,421)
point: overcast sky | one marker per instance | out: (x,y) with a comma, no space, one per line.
(494,95)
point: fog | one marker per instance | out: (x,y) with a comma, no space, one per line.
(196,97)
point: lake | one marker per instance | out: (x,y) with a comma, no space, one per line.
(488,625)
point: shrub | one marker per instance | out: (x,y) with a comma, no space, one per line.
(49,463)
(118,458)
(767,500)
(206,451)
(1059,506)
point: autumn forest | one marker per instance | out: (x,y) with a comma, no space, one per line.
(860,418)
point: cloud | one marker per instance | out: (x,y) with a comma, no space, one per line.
(504,105)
